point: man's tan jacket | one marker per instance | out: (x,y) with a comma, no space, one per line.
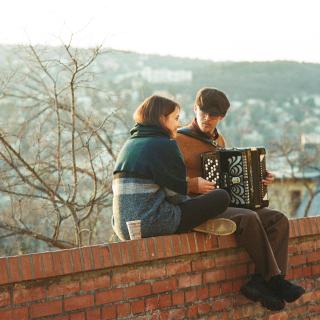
(191,148)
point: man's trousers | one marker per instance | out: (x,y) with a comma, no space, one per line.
(264,233)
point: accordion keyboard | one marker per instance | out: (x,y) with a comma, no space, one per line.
(212,171)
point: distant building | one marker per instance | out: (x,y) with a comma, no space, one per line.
(166,75)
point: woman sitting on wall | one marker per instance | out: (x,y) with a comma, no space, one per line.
(149,182)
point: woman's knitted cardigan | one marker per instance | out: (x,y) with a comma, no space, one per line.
(149,181)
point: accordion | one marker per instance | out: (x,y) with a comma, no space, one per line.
(240,172)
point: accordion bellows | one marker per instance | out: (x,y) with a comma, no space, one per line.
(240,172)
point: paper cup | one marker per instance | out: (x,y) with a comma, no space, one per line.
(134,228)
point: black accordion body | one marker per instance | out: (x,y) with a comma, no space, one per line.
(240,173)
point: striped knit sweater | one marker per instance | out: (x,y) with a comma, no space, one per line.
(149,182)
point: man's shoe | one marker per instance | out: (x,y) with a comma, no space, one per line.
(217,226)
(257,290)
(284,289)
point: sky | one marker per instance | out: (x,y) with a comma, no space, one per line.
(224,30)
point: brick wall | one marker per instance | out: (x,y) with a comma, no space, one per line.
(188,276)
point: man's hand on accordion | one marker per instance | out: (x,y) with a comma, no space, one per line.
(268,179)
(199,185)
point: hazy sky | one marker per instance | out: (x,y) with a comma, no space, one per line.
(217,30)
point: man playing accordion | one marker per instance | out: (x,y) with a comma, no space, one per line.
(263,232)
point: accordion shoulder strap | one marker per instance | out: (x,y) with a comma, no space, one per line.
(191,133)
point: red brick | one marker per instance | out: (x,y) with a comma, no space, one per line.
(78,302)
(192,242)
(57,260)
(306,246)
(200,241)
(4,298)
(304,227)
(204,308)
(292,249)
(109,296)
(176,245)
(78,316)
(59,318)
(109,312)
(26,267)
(178,298)
(226,316)
(96,283)
(307,297)
(59,289)
(211,242)
(46,308)
(222,304)
(278,316)
(164,285)
(151,248)
(3,274)
(214,290)
(93,314)
(66,261)
(302,272)
(15,314)
(101,256)
(297,260)
(293,228)
(313,257)
(76,260)
(159,244)
(189,280)
(137,306)
(178,267)
(88,263)
(184,243)
(191,295)
(126,256)
(236,271)
(125,277)
(176,314)
(203,264)
(203,293)
(168,250)
(141,290)
(115,249)
(192,312)
(214,276)
(21,294)
(14,269)
(226,287)
(142,247)
(123,310)
(37,265)
(227,242)
(315,269)
(47,264)
(165,300)
(152,272)
(313,226)
(152,303)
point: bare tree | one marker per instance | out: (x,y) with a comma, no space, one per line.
(303,164)
(57,151)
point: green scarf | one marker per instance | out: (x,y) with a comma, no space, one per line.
(151,153)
